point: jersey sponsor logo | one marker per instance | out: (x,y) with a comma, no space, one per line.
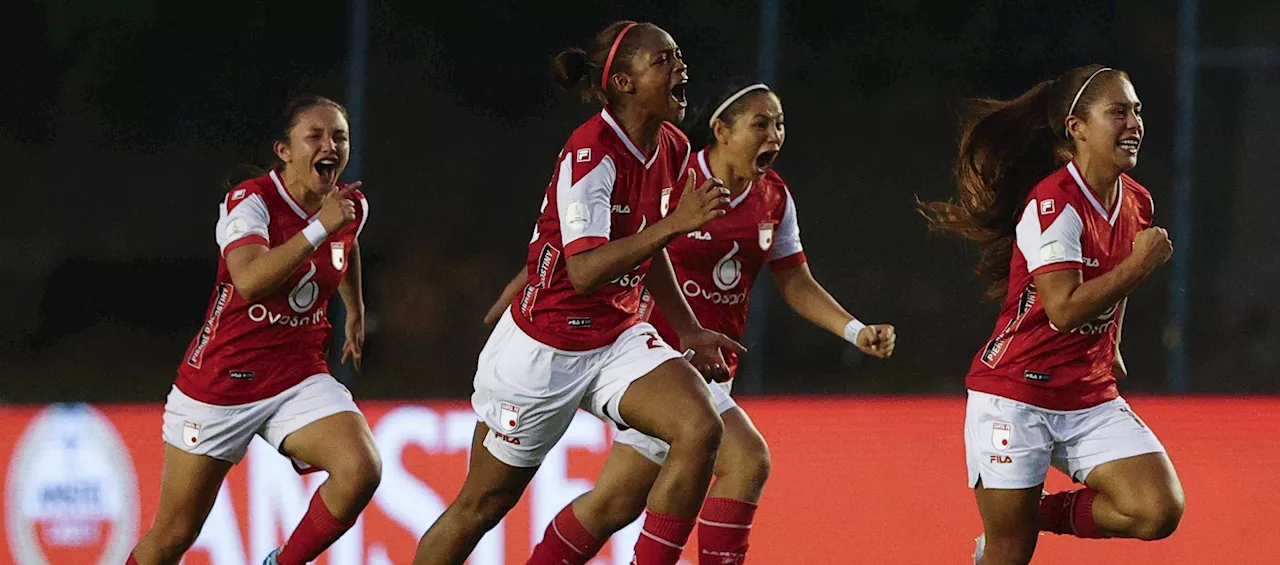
(260,313)
(692,289)
(621,208)
(700,235)
(766,235)
(996,348)
(1001,435)
(85,512)
(190,433)
(508,416)
(664,203)
(241,374)
(338,254)
(306,292)
(576,216)
(527,299)
(583,155)
(1053,252)
(579,322)
(1036,376)
(727,272)
(547,260)
(210,327)
(1046,207)
(630,280)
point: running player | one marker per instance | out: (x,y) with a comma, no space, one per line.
(288,240)
(1066,235)
(716,267)
(575,337)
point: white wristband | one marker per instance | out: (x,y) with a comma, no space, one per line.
(315,233)
(851,330)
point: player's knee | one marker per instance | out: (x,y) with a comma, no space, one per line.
(748,461)
(701,431)
(360,473)
(481,511)
(173,539)
(1157,519)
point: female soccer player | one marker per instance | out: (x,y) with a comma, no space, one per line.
(1066,235)
(289,239)
(575,337)
(716,267)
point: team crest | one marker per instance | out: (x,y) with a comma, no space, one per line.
(509,417)
(666,201)
(190,433)
(337,253)
(1001,434)
(766,235)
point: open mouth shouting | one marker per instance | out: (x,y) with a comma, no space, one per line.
(327,169)
(764,161)
(678,93)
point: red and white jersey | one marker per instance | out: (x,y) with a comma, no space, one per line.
(716,266)
(250,350)
(1063,226)
(604,188)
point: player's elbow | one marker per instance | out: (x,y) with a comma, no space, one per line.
(1061,318)
(247,288)
(581,277)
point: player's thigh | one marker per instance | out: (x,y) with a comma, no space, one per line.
(189,485)
(526,393)
(656,450)
(317,424)
(645,384)
(1008,444)
(492,485)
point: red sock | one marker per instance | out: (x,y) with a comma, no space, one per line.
(565,542)
(131,560)
(662,539)
(1070,513)
(723,528)
(314,534)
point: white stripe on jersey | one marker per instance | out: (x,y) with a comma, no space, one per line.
(1060,243)
(786,240)
(364,215)
(249,217)
(584,207)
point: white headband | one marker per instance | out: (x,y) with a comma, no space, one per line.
(1076,100)
(730,100)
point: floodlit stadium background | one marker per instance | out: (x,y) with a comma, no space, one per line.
(120,120)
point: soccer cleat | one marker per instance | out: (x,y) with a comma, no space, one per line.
(979,547)
(271,558)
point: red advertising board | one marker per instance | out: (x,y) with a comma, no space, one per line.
(876,481)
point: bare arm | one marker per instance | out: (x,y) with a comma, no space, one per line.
(1070,302)
(590,269)
(509,293)
(807,297)
(661,282)
(257,271)
(351,288)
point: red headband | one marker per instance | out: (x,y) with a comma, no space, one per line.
(608,61)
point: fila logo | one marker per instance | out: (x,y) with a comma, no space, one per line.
(700,235)
(584,155)
(506,438)
(621,208)
(1001,459)
(1090,262)
(1046,207)
(238,194)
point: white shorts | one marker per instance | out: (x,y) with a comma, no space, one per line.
(527,392)
(1011,444)
(655,449)
(224,432)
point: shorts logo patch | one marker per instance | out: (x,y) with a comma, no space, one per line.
(1001,459)
(1001,434)
(190,433)
(509,417)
